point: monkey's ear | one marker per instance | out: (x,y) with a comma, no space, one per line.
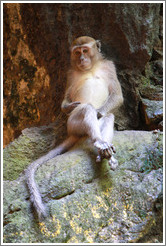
(98,43)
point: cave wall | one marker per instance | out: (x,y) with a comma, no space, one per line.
(36,40)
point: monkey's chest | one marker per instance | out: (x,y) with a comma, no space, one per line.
(91,90)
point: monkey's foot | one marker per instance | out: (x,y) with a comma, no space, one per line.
(113,163)
(105,150)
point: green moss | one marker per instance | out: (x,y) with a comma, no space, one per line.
(14,159)
(142,213)
(149,70)
(153,159)
(145,82)
(20,153)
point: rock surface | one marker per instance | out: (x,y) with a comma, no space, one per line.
(37,37)
(153,112)
(86,201)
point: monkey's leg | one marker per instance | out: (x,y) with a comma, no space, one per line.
(107,131)
(83,121)
(106,127)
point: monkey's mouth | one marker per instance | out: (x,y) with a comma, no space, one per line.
(84,65)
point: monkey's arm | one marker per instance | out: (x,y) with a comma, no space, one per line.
(114,100)
(68,106)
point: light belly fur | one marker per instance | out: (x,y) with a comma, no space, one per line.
(93,91)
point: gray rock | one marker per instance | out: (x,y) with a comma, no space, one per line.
(152,111)
(86,201)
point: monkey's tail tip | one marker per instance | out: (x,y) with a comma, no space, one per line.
(38,205)
(41,212)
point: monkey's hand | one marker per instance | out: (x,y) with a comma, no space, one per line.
(70,107)
(105,150)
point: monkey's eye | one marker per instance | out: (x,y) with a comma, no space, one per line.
(85,51)
(77,53)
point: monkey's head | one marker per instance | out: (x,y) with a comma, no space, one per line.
(85,52)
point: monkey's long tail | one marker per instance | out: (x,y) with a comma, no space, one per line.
(35,196)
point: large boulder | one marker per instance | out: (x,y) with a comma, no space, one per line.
(86,201)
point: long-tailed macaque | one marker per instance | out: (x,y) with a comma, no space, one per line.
(93,93)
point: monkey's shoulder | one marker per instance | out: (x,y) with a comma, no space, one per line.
(104,63)
(108,64)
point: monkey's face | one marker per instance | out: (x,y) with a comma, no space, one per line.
(82,58)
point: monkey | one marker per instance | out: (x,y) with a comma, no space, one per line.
(93,93)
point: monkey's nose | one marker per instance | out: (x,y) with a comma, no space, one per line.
(81,58)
